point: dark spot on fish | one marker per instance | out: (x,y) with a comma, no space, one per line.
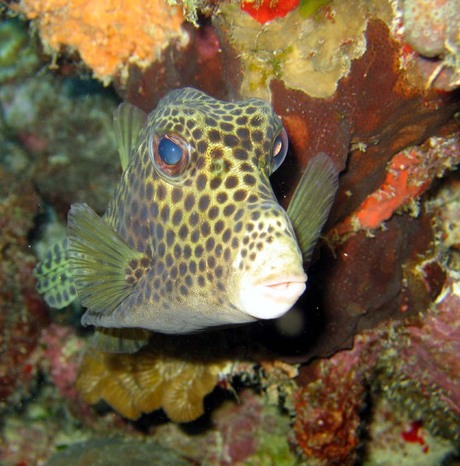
(240,195)
(159,231)
(231,140)
(201,182)
(213,212)
(161,192)
(210,243)
(226,235)
(189,202)
(214,136)
(205,229)
(211,262)
(210,121)
(176,195)
(187,251)
(240,154)
(228,127)
(165,213)
(194,218)
(215,182)
(202,147)
(197,133)
(257,136)
(170,237)
(229,210)
(204,202)
(231,182)
(183,232)
(219,227)
(195,236)
(199,251)
(177,217)
(222,197)
(154,209)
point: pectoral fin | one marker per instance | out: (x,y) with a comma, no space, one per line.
(54,279)
(311,202)
(99,260)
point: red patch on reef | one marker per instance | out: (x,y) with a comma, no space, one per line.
(413,434)
(267,10)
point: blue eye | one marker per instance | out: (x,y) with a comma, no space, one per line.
(279,149)
(170,152)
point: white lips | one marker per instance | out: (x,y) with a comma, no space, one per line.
(270,298)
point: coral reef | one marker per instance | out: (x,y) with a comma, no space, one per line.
(18,55)
(249,432)
(305,55)
(160,376)
(428,349)
(61,353)
(114,452)
(58,131)
(108,35)
(22,312)
(432,29)
(411,368)
(409,174)
(372,84)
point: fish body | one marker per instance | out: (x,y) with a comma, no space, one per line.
(193,236)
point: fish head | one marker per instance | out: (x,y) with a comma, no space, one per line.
(200,199)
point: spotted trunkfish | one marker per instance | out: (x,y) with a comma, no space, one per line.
(193,236)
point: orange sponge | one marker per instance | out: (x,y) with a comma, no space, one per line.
(108,34)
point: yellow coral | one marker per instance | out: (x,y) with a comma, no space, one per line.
(108,34)
(151,379)
(310,54)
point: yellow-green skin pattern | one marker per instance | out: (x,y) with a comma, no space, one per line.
(209,232)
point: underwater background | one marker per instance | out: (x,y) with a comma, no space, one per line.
(365,369)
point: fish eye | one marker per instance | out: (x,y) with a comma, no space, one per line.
(279,148)
(170,153)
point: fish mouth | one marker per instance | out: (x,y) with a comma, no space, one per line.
(271,297)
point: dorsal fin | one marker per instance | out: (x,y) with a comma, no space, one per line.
(128,121)
(99,259)
(311,202)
